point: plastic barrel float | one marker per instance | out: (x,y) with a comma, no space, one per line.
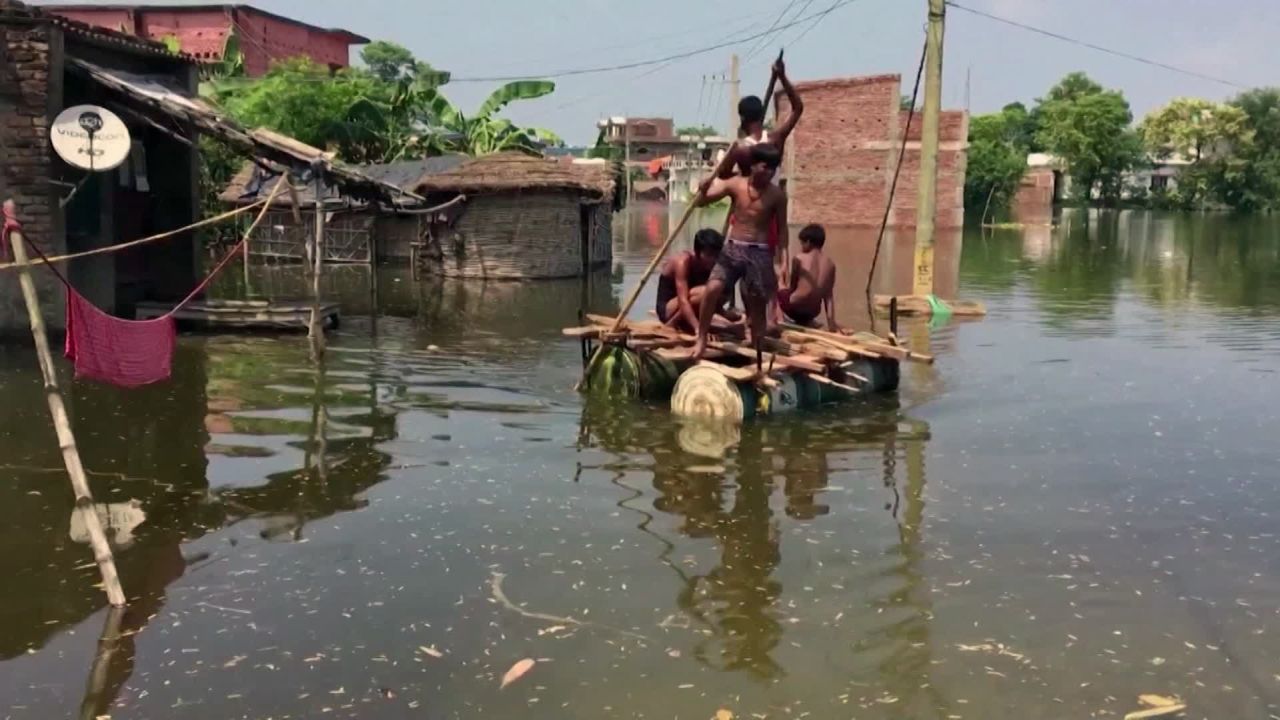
(706,392)
(622,372)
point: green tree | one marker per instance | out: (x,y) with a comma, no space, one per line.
(997,159)
(697,130)
(393,63)
(1253,182)
(1088,127)
(1194,127)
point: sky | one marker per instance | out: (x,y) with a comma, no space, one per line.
(1231,40)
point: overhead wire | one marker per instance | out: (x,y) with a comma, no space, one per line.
(761,43)
(655,61)
(1093,46)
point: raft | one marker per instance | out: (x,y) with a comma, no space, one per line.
(805,369)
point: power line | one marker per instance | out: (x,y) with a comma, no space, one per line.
(655,61)
(1092,46)
(758,45)
(816,21)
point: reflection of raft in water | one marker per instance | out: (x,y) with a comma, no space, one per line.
(805,368)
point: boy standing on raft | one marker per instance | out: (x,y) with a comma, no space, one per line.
(751,114)
(758,205)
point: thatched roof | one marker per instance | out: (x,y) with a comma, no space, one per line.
(247,186)
(515,172)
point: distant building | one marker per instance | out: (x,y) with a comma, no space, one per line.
(1047,182)
(669,160)
(202,32)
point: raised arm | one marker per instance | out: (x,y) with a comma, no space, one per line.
(780,134)
(733,159)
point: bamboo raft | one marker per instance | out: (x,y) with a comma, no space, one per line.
(804,368)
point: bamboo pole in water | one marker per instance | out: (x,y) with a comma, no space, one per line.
(62,425)
(314,330)
(96,701)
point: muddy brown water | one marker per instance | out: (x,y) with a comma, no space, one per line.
(1076,504)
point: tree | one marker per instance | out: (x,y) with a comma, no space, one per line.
(1253,182)
(1194,127)
(697,130)
(393,63)
(1088,127)
(997,159)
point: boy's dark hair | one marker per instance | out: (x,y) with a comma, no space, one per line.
(766,153)
(814,235)
(750,110)
(708,240)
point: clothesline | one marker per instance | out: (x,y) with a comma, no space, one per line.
(126,353)
(43,260)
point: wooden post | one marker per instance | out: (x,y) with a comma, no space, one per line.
(735,91)
(247,241)
(315,330)
(927,203)
(62,424)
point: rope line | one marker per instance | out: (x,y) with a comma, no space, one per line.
(134,243)
(893,187)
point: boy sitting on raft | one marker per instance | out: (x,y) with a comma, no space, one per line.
(682,285)
(811,289)
(758,204)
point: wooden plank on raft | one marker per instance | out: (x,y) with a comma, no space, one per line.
(862,345)
(845,345)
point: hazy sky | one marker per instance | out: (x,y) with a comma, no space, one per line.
(1234,40)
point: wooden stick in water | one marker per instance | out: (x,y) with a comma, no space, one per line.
(644,278)
(62,425)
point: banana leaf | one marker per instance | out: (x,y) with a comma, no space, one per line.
(518,90)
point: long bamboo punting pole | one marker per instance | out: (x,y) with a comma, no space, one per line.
(62,424)
(653,264)
(314,329)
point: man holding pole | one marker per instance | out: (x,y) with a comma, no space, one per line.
(758,206)
(751,114)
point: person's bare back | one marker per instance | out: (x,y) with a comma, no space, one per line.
(754,209)
(813,281)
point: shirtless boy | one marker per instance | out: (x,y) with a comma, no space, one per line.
(683,282)
(811,290)
(751,115)
(757,205)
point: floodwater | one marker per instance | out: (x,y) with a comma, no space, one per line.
(1075,505)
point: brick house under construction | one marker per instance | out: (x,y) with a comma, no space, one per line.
(841,158)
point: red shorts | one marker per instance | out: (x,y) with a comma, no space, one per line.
(784,304)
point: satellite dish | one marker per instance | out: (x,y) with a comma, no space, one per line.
(90,138)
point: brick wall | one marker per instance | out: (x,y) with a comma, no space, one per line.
(24,157)
(841,158)
(1034,200)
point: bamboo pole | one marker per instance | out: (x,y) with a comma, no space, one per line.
(96,702)
(644,278)
(62,424)
(314,329)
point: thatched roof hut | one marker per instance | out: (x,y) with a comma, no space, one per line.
(525,218)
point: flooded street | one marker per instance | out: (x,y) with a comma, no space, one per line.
(1075,505)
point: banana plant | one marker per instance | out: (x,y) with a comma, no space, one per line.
(484,133)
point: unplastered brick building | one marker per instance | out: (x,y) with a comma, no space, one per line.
(841,158)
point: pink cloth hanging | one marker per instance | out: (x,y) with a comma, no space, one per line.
(127,353)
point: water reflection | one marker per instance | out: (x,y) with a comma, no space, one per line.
(721,486)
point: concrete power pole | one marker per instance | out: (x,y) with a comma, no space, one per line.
(626,134)
(927,202)
(735,94)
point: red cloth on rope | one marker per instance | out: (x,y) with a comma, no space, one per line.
(102,347)
(127,353)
